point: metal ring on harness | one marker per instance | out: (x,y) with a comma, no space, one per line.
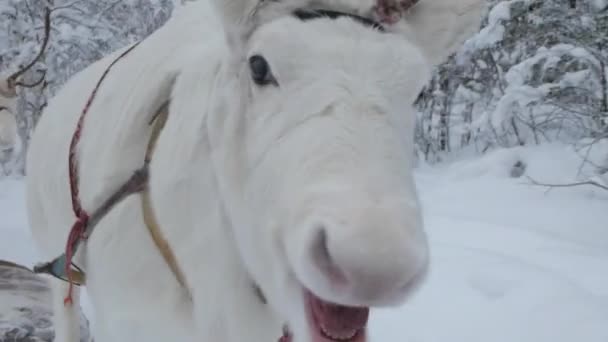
(57,268)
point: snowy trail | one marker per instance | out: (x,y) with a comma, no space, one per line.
(14,236)
(510,262)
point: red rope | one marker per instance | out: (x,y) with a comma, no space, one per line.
(82,218)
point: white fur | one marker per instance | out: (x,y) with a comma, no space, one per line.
(243,176)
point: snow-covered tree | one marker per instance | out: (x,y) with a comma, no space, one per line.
(536,72)
(82,31)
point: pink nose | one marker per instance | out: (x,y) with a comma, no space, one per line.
(369,264)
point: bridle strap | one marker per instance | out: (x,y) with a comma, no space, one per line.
(309,14)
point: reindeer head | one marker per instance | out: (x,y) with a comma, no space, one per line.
(311,126)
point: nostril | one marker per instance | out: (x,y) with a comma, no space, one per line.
(320,246)
(323,259)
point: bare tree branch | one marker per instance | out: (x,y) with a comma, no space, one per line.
(568,185)
(12,80)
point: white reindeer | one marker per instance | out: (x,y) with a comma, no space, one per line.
(282,180)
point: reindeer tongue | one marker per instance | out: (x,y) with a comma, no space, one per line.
(331,322)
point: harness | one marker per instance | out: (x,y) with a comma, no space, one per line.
(63,267)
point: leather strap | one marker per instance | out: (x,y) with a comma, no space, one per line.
(137,183)
(148,213)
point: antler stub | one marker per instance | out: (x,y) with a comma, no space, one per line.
(391,11)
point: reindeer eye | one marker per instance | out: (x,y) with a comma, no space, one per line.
(260,71)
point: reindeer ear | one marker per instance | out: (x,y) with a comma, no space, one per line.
(241,17)
(440,27)
(236,13)
(238,18)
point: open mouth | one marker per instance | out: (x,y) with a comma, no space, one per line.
(335,323)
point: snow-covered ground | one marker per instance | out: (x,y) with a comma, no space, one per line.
(510,262)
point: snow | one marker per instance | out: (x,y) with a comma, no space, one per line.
(29,298)
(519,94)
(600,5)
(15,237)
(494,30)
(510,261)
